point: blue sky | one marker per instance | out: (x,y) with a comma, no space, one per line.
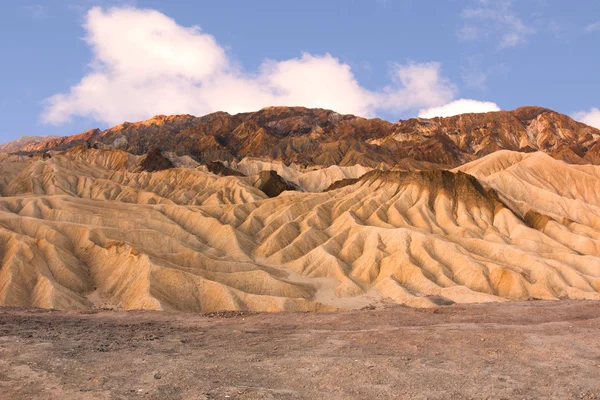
(69,66)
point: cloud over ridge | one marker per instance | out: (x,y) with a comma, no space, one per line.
(591,117)
(460,106)
(144,64)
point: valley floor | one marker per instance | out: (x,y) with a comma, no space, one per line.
(525,350)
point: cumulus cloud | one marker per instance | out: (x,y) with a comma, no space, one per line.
(456,107)
(415,86)
(591,117)
(144,63)
(494,18)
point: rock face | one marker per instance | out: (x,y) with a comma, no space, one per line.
(272,184)
(218,168)
(461,138)
(311,137)
(154,161)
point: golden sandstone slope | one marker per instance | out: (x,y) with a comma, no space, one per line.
(91,228)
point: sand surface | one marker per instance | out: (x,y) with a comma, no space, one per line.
(518,350)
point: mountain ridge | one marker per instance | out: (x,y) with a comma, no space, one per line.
(17,144)
(323,137)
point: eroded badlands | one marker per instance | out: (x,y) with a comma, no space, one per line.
(90,228)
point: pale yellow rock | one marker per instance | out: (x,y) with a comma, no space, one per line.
(81,230)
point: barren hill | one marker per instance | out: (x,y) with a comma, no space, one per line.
(24,142)
(324,138)
(92,228)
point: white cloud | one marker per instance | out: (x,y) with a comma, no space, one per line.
(494,18)
(593,27)
(415,86)
(144,63)
(591,117)
(457,107)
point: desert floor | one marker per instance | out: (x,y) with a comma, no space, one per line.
(529,350)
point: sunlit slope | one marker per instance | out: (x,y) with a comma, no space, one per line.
(84,230)
(107,175)
(539,183)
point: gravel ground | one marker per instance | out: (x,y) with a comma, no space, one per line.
(531,350)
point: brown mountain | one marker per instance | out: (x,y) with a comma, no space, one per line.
(20,143)
(322,137)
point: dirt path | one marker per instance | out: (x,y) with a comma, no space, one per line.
(499,351)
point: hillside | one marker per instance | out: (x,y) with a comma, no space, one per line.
(24,142)
(316,137)
(93,228)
